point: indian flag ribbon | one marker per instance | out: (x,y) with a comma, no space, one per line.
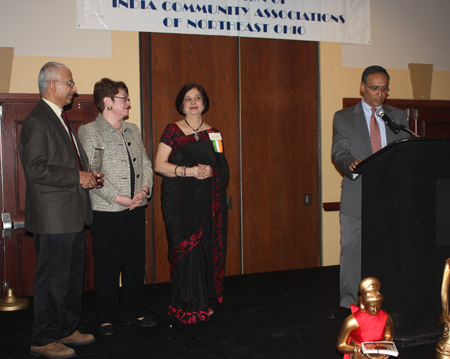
(218,146)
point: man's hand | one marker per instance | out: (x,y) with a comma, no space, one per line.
(354,164)
(87,180)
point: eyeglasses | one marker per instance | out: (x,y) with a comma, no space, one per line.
(70,83)
(383,89)
(123,98)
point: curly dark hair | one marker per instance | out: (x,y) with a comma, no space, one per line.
(184,90)
(107,88)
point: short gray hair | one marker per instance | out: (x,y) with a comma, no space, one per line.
(48,73)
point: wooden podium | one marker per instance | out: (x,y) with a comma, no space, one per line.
(406,232)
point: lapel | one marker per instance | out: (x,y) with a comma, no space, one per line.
(361,124)
(56,123)
(83,156)
(390,136)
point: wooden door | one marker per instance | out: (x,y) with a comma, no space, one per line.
(17,247)
(280,168)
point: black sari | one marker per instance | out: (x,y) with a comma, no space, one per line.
(195,216)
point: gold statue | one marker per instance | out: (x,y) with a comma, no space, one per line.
(368,322)
(443,346)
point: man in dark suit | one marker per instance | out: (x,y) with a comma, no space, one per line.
(56,210)
(357,134)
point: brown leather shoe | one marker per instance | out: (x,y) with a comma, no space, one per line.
(55,350)
(78,339)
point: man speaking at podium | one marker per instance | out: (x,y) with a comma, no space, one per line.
(358,133)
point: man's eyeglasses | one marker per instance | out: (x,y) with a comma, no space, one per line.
(383,89)
(70,83)
(123,98)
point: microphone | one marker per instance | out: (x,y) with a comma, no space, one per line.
(394,127)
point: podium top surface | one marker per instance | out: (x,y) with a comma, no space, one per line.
(405,141)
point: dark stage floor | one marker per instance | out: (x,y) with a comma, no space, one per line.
(266,315)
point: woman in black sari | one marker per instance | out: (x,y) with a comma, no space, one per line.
(194,203)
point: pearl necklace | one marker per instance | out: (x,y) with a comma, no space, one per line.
(197,137)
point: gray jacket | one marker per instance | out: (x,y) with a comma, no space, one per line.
(116,165)
(351,140)
(55,201)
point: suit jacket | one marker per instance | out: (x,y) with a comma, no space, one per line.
(55,201)
(351,140)
(116,165)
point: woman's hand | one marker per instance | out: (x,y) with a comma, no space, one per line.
(200,172)
(138,199)
(99,178)
(123,201)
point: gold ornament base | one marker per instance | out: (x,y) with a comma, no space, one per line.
(11,303)
(443,346)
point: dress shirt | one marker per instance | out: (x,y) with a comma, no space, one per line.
(368,113)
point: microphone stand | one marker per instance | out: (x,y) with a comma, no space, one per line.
(409,131)
(394,127)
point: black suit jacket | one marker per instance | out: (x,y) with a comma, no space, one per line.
(55,201)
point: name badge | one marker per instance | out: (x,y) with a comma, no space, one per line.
(215,136)
(216,139)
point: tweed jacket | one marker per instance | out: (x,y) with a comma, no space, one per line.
(116,165)
(55,201)
(351,140)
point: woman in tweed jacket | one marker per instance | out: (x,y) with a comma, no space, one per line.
(118,228)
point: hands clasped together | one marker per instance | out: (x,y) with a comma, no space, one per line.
(202,172)
(95,180)
(131,203)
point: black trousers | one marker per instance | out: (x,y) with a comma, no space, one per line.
(58,286)
(118,243)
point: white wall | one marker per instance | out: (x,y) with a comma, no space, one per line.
(402,32)
(48,28)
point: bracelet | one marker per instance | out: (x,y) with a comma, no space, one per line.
(183,171)
(176,171)
(145,191)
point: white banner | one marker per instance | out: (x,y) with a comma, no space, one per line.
(345,21)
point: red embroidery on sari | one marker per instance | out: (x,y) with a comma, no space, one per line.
(174,137)
(184,248)
(188,317)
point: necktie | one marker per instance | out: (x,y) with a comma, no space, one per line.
(375,136)
(66,121)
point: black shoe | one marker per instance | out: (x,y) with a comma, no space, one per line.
(145,322)
(339,313)
(107,329)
